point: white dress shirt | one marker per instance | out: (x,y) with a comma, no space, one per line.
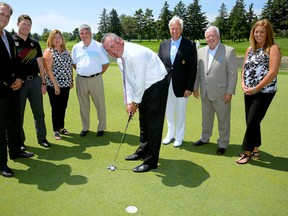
(143,68)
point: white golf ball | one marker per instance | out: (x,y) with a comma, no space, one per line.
(112,168)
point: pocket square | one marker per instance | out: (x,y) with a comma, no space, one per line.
(220,59)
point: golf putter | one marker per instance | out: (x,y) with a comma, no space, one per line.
(113,167)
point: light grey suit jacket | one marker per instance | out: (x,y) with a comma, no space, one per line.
(221,77)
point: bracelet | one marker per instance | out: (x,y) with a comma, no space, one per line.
(254,91)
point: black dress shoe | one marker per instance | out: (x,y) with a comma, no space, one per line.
(100,133)
(220,151)
(7,172)
(132,157)
(143,168)
(45,143)
(199,143)
(83,133)
(22,154)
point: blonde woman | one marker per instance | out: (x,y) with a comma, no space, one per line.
(259,84)
(59,79)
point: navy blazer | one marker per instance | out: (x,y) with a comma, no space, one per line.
(184,69)
(10,66)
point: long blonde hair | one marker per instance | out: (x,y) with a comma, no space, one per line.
(269,35)
(50,39)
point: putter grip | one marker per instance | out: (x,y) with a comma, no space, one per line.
(130,117)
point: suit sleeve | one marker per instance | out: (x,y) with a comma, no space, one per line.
(192,67)
(232,72)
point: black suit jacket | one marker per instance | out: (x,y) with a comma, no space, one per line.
(184,69)
(10,66)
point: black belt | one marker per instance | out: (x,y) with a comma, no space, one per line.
(30,77)
(93,75)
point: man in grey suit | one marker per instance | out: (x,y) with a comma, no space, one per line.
(217,77)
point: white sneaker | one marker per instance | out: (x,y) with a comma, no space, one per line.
(166,140)
(177,143)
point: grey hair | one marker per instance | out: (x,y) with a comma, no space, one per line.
(85,26)
(112,36)
(176,19)
(213,28)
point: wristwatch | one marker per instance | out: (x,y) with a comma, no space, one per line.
(135,104)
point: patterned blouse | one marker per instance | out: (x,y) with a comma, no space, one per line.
(62,68)
(256,68)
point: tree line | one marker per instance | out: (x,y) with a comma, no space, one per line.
(235,25)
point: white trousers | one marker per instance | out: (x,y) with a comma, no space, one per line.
(175,115)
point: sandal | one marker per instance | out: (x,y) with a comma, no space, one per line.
(64,131)
(255,155)
(57,135)
(244,159)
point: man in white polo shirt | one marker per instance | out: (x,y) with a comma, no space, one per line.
(90,61)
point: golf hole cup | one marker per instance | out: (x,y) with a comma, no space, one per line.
(131,209)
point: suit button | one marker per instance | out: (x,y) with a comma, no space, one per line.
(172,68)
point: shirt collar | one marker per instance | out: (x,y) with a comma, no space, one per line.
(177,42)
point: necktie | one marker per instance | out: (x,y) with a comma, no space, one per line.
(124,80)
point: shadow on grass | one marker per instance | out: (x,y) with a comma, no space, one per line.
(46,175)
(266,160)
(59,152)
(91,140)
(181,172)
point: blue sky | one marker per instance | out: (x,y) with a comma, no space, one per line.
(68,15)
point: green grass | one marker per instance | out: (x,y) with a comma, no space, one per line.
(71,178)
(240,47)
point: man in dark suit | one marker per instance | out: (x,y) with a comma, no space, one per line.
(10,83)
(179,56)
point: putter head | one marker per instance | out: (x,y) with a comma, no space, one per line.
(112,167)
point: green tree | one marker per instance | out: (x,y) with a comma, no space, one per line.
(103,25)
(140,24)
(149,26)
(164,18)
(276,11)
(36,36)
(75,35)
(12,31)
(45,34)
(238,20)
(198,21)
(128,27)
(251,18)
(114,23)
(222,22)
(181,11)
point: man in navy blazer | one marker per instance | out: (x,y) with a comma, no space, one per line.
(10,83)
(179,56)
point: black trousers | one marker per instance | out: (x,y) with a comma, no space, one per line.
(256,107)
(58,106)
(151,118)
(10,126)
(31,90)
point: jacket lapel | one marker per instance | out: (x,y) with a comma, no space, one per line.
(217,55)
